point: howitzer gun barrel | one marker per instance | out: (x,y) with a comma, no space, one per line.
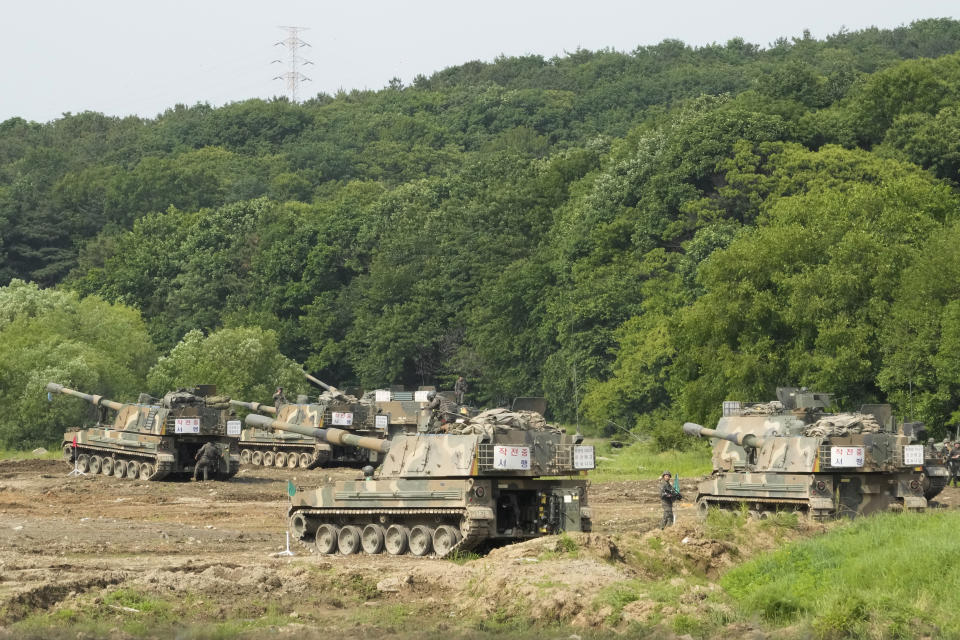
(321,383)
(255,406)
(95,400)
(333,436)
(747,440)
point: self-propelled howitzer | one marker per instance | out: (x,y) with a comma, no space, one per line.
(294,449)
(778,457)
(452,491)
(150,439)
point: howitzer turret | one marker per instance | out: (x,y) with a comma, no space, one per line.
(152,439)
(493,477)
(257,407)
(745,440)
(792,454)
(264,445)
(332,436)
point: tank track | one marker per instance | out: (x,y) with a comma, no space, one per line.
(473,531)
(319,457)
(935,485)
(161,468)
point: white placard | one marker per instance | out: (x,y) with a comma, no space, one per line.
(913,455)
(508,457)
(381,422)
(341,419)
(583,457)
(846,456)
(233,427)
(382,395)
(186,425)
(420,396)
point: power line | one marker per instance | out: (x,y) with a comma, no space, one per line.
(293,77)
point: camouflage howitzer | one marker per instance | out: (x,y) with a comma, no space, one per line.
(447,492)
(292,450)
(791,455)
(152,440)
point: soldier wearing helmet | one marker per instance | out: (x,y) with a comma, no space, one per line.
(668,495)
(279,398)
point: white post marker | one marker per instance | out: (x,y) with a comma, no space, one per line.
(76,468)
(287,552)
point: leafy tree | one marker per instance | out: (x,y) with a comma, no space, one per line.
(53,336)
(244,363)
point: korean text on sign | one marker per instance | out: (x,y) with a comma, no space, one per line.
(846,456)
(186,425)
(341,419)
(507,457)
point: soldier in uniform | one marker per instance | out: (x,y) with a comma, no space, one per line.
(668,495)
(279,398)
(439,411)
(953,462)
(460,388)
(207,458)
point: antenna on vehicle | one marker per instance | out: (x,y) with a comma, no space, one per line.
(576,398)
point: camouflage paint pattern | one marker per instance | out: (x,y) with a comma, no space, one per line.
(767,463)
(143,438)
(451,492)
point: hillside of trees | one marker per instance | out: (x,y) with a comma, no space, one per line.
(635,235)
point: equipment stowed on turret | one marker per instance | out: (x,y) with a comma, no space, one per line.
(378,414)
(791,454)
(151,440)
(482,481)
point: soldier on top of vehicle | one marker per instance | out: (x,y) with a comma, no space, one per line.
(460,388)
(279,398)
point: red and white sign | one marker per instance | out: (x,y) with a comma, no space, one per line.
(507,457)
(341,419)
(186,425)
(846,456)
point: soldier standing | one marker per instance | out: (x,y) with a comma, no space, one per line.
(668,495)
(953,462)
(207,458)
(460,388)
(279,398)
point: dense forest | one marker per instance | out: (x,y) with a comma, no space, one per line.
(635,235)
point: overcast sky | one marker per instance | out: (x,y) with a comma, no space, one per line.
(124,57)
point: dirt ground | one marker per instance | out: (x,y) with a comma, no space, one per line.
(72,545)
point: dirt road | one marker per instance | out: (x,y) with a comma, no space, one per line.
(104,557)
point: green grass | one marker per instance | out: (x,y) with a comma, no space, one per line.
(886,576)
(640,461)
(53,453)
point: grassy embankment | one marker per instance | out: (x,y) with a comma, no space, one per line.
(15,454)
(640,462)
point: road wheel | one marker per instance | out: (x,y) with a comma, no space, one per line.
(120,469)
(280,460)
(395,539)
(348,540)
(293,461)
(133,469)
(256,457)
(372,539)
(326,539)
(421,540)
(146,470)
(268,457)
(95,462)
(444,539)
(703,508)
(68,451)
(83,462)
(305,460)
(245,455)
(106,467)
